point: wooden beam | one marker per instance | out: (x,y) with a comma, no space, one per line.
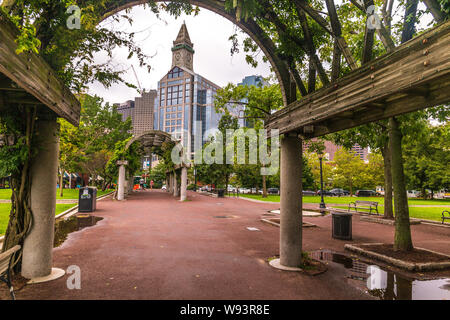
(421,65)
(35,76)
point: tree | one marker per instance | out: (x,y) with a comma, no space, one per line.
(374,170)
(219,172)
(158,174)
(132,155)
(69,152)
(90,146)
(252,103)
(314,165)
(375,136)
(349,170)
(427,159)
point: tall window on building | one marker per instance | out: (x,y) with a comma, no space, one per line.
(163,97)
(174,95)
(175,73)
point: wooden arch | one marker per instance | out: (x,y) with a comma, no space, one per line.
(151,138)
(279,65)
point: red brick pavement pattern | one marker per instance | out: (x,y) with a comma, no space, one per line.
(154,247)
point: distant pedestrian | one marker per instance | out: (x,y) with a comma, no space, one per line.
(141,183)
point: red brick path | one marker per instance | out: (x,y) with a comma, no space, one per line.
(154,247)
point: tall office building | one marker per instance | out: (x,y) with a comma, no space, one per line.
(239,111)
(185,98)
(126,109)
(140,111)
(143,112)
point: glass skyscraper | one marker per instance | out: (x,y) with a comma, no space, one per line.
(185,99)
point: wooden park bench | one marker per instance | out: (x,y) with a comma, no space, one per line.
(444,217)
(5,268)
(364,205)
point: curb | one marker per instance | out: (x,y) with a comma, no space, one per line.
(410,266)
(305,224)
(386,222)
(257,201)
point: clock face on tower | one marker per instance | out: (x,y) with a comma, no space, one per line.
(177,57)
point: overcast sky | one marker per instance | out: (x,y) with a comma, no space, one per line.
(208,31)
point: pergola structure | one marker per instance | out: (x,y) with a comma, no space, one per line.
(26,80)
(411,77)
(414,76)
(149,140)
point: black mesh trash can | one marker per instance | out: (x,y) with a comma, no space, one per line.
(221,193)
(87,199)
(342,225)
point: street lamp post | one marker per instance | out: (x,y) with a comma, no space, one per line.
(195,179)
(322,202)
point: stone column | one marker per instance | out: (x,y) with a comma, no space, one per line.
(130,185)
(38,246)
(176,189)
(184,178)
(121,180)
(291,202)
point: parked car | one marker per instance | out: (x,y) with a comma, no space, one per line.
(273,191)
(325,193)
(339,192)
(254,191)
(244,190)
(309,193)
(366,193)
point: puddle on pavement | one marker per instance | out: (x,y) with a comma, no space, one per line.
(385,284)
(75,223)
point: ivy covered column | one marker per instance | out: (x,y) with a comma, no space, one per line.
(121,180)
(38,245)
(176,189)
(184,178)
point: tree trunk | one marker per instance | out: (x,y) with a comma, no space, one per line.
(61,183)
(227,181)
(264,187)
(402,239)
(388,210)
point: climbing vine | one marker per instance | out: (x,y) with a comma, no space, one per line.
(17,130)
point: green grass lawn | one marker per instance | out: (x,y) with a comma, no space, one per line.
(6,207)
(419,213)
(5,194)
(347,200)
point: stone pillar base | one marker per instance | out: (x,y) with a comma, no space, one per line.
(277,265)
(56,274)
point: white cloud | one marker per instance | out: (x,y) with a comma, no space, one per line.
(208,31)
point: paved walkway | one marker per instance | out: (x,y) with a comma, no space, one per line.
(155,247)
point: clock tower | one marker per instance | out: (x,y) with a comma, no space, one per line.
(183,50)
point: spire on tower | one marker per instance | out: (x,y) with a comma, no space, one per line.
(183,49)
(183,36)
